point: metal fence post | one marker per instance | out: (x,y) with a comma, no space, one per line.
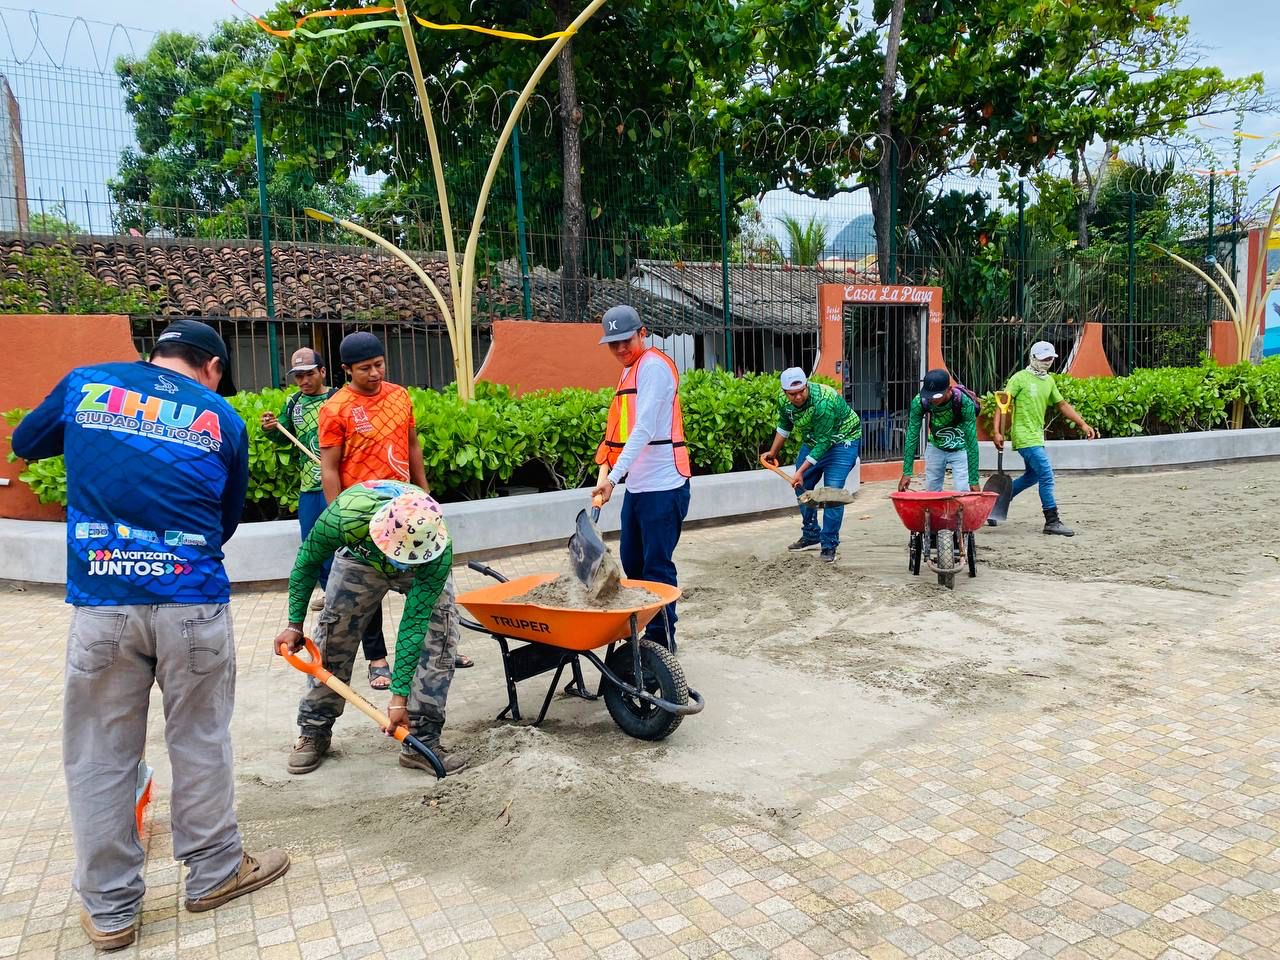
(724,269)
(1130,306)
(521,241)
(1209,251)
(1022,249)
(272,347)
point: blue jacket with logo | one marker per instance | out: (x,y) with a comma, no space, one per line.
(157,469)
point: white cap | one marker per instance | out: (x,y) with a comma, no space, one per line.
(1043,350)
(793,378)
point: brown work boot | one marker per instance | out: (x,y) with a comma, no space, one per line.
(254,872)
(106,942)
(452,762)
(307,753)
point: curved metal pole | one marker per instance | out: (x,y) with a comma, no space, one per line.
(469,255)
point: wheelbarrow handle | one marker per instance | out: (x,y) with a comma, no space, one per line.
(314,668)
(488,571)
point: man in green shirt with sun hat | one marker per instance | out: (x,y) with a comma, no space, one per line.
(1033,392)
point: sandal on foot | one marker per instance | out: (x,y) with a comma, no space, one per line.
(461,662)
(383,673)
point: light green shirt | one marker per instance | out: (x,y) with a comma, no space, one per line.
(1032,398)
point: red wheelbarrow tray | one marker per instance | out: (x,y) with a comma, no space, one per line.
(943,507)
(564,627)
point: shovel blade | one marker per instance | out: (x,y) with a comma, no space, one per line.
(586,550)
(1002,485)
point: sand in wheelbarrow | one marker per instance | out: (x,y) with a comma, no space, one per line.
(567,591)
(826,496)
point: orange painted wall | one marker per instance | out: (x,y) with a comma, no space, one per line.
(1091,359)
(38,352)
(833,296)
(1223,343)
(530,355)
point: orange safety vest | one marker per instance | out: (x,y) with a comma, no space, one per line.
(622,414)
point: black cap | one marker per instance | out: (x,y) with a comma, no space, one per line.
(620,323)
(203,337)
(936,383)
(360,346)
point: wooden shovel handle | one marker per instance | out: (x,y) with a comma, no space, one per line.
(296,442)
(315,668)
(769,466)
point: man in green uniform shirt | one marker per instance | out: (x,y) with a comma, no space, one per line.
(953,435)
(831,433)
(388,535)
(301,417)
(1033,392)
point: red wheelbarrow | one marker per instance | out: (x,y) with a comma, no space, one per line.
(641,682)
(942,525)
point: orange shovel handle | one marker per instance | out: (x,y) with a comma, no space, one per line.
(312,667)
(769,466)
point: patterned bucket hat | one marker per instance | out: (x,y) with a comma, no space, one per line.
(410,529)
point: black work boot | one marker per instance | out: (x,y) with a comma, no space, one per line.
(452,762)
(1055,526)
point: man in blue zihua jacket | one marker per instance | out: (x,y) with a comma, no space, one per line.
(157,468)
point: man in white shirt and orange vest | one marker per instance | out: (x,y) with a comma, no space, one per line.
(644,446)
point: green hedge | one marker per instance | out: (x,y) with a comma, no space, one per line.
(469,450)
(1166,400)
(472,449)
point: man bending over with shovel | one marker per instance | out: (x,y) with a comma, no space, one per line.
(387,535)
(832,433)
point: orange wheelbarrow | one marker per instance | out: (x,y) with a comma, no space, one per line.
(641,682)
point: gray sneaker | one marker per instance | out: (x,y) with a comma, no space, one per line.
(803,544)
(829,555)
(453,762)
(307,753)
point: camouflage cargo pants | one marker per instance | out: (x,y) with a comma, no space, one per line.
(354,593)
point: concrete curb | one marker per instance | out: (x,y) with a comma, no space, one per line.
(1139,453)
(35,552)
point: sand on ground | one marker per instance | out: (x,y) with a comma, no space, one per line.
(807,669)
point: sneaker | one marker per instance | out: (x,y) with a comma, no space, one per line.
(307,753)
(829,555)
(803,544)
(318,603)
(254,872)
(453,762)
(108,941)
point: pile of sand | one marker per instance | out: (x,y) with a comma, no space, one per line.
(566,591)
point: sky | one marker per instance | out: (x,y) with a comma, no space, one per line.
(1240,42)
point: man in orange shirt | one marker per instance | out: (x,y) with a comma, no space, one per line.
(367,433)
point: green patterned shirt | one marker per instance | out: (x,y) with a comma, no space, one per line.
(947,431)
(345,523)
(823,421)
(301,417)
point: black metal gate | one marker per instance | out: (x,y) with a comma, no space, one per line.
(884,358)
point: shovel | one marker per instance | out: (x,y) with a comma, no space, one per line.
(818,496)
(586,546)
(1001,484)
(315,668)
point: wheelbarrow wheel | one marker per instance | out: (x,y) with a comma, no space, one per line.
(915,551)
(947,559)
(663,677)
(971,548)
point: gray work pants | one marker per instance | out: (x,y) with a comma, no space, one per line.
(354,594)
(114,654)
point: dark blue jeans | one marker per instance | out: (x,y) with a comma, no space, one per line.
(310,505)
(833,468)
(651,524)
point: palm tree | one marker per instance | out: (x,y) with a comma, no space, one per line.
(806,242)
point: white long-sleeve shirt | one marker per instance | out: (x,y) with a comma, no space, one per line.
(648,469)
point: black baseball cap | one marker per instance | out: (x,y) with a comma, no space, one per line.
(360,346)
(203,337)
(935,385)
(620,323)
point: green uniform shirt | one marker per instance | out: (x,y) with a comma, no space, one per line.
(1032,397)
(948,430)
(345,523)
(823,421)
(301,417)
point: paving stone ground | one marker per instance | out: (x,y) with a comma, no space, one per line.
(1141,827)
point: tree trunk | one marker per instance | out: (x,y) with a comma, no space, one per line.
(883,195)
(575,288)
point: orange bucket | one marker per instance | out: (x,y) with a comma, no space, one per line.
(564,627)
